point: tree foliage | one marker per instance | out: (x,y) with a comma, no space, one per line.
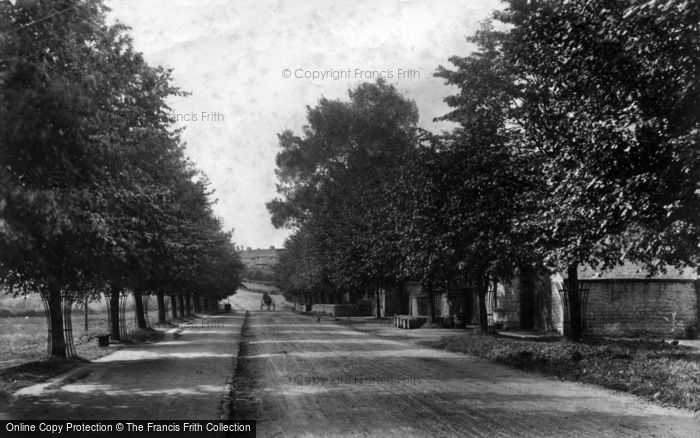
(609,110)
(95,191)
(332,182)
(576,142)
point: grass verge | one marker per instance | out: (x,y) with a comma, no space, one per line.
(30,373)
(24,374)
(655,370)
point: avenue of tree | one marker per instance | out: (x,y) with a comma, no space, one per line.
(96,194)
(575,143)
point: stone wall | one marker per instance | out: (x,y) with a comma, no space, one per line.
(300,307)
(414,291)
(507,311)
(445,308)
(660,307)
(337,309)
(641,307)
(556,304)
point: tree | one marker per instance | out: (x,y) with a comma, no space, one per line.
(459,195)
(608,111)
(332,183)
(94,187)
(454,211)
(302,268)
(419,212)
(50,157)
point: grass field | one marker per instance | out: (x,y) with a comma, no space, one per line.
(24,338)
(23,328)
(31,305)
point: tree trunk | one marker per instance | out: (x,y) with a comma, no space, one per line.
(138,308)
(181,302)
(58,342)
(527,298)
(431,303)
(401,295)
(161,306)
(574,297)
(86,315)
(197,304)
(379,306)
(114,313)
(188,306)
(173,306)
(207,308)
(483,315)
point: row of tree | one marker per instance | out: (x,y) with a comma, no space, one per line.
(96,194)
(576,142)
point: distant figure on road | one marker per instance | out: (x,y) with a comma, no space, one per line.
(267,301)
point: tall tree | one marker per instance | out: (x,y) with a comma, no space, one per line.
(51,53)
(608,110)
(475,174)
(94,186)
(332,180)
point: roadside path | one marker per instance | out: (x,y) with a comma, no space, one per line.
(303,377)
(181,378)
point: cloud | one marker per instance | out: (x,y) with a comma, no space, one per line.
(230,56)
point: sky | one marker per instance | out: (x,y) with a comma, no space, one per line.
(253,67)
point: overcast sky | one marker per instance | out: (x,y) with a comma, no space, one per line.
(233,57)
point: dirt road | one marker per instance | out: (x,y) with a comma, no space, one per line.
(301,377)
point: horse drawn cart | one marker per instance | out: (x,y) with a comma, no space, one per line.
(267,301)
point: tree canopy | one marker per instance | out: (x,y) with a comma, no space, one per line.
(96,193)
(332,182)
(576,142)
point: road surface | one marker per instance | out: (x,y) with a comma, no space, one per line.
(301,377)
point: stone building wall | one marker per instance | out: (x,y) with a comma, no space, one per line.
(415,292)
(641,307)
(621,302)
(556,282)
(445,308)
(505,308)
